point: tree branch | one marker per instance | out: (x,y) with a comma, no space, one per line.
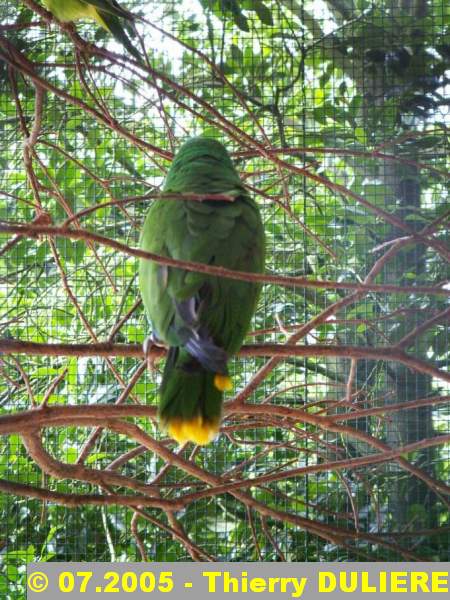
(36,230)
(107,349)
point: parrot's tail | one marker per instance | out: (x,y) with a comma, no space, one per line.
(191,398)
(112,24)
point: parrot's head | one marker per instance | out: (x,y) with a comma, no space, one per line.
(202,165)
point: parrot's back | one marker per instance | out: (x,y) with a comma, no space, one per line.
(202,318)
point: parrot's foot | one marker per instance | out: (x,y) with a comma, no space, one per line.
(197,430)
(150,341)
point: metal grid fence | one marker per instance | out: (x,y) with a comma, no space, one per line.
(335,114)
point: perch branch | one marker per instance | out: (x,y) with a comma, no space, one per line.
(35,230)
(107,349)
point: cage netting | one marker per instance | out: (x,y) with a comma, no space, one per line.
(335,444)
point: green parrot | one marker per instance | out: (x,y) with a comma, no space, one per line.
(201,318)
(107,13)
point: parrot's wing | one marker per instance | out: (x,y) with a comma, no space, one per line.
(196,337)
(214,308)
(113,8)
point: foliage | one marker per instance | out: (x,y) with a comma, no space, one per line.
(306,100)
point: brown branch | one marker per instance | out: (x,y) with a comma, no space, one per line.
(319,319)
(26,380)
(351,380)
(68,210)
(33,230)
(121,322)
(241,136)
(126,457)
(92,415)
(271,539)
(288,210)
(338,465)
(20,63)
(61,470)
(52,387)
(193,549)
(408,339)
(84,416)
(331,533)
(103,183)
(64,279)
(195,552)
(388,408)
(277,416)
(326,424)
(24,65)
(10,380)
(254,535)
(335,534)
(89,444)
(137,537)
(371,154)
(74,500)
(31,140)
(29,152)
(150,196)
(107,349)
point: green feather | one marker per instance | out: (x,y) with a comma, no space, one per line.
(220,233)
(107,13)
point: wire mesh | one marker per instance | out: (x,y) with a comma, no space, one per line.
(335,115)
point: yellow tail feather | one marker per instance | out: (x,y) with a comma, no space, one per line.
(195,430)
(223,383)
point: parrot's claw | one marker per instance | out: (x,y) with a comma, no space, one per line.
(150,341)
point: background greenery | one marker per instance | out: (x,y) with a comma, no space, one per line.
(336,81)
